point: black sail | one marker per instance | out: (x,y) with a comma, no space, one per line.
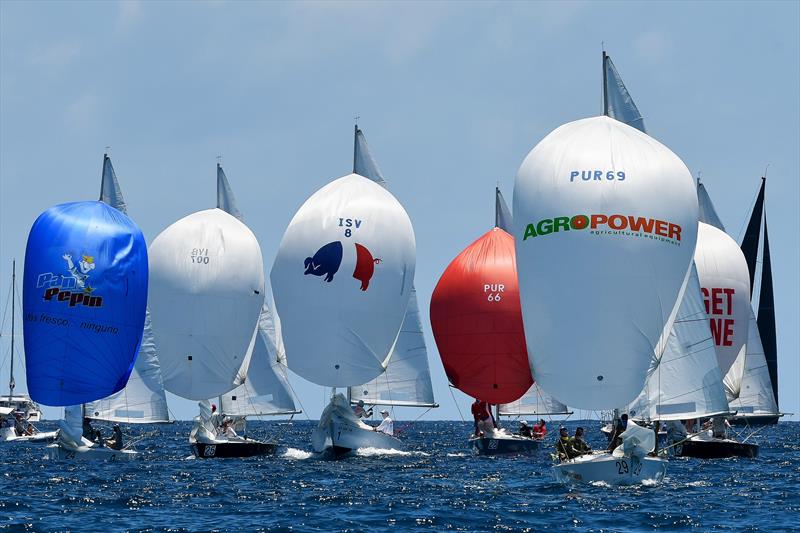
(750,241)
(766,316)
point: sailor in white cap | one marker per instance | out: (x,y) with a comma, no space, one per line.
(387,425)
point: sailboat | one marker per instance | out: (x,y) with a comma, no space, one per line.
(265,389)
(748,383)
(84,305)
(477,324)
(19,406)
(605,225)
(342,280)
(406,381)
(206,296)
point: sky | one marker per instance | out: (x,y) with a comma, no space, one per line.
(451,97)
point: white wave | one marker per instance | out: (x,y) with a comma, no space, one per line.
(189,458)
(373,452)
(459,454)
(650,482)
(299,455)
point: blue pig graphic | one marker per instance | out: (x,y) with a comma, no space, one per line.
(326,261)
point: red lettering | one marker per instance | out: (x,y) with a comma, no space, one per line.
(675,232)
(598,219)
(661,228)
(716,330)
(729,293)
(705,298)
(716,300)
(641,224)
(727,332)
(617,222)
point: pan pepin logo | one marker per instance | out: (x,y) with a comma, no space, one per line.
(327,260)
(73,288)
(627,225)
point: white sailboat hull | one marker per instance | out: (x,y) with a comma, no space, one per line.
(9,435)
(605,467)
(58,451)
(340,431)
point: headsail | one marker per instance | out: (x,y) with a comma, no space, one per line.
(603,257)
(225,198)
(687,382)
(143,399)
(407,379)
(341,281)
(535,402)
(766,317)
(707,212)
(617,101)
(748,384)
(502,214)
(751,235)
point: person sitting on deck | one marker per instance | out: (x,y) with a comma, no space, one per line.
(564,446)
(361,411)
(227,430)
(30,430)
(525,429)
(386,425)
(88,431)
(540,429)
(19,426)
(616,438)
(719,427)
(482,417)
(578,444)
(116,440)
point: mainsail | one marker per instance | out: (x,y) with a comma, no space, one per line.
(687,382)
(617,101)
(265,390)
(407,380)
(206,294)
(143,399)
(341,281)
(535,402)
(84,301)
(605,224)
(707,212)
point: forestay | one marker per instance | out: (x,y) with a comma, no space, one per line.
(407,380)
(687,382)
(341,281)
(84,298)
(143,399)
(535,402)
(605,225)
(725,284)
(207,289)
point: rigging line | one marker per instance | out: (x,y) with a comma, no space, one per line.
(747,217)
(450,388)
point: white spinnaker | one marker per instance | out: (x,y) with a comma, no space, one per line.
(598,302)
(687,382)
(407,380)
(336,333)
(266,389)
(725,283)
(535,402)
(206,293)
(142,401)
(747,383)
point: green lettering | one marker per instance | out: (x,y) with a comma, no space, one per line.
(529,232)
(561,223)
(545,226)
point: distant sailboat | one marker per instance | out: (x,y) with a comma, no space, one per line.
(407,379)
(618,243)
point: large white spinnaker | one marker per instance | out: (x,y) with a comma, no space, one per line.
(206,293)
(687,382)
(605,225)
(142,401)
(725,283)
(341,281)
(407,380)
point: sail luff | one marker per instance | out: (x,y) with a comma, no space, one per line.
(618,103)
(766,317)
(707,212)
(502,214)
(110,191)
(225,199)
(605,83)
(751,236)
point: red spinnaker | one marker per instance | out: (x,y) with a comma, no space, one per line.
(477,321)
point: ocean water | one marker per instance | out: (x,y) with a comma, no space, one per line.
(436,484)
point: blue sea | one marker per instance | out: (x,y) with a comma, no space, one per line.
(436,485)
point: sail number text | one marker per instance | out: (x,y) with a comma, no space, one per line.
(494,291)
(199,256)
(349,225)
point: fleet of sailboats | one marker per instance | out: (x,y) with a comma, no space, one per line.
(613,285)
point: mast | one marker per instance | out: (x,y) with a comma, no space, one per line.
(750,240)
(605,85)
(766,317)
(355,147)
(496,206)
(11,383)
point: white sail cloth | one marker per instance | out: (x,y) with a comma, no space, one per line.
(747,383)
(707,212)
(725,283)
(535,402)
(619,102)
(143,400)
(206,293)
(687,382)
(341,281)
(407,380)
(605,225)
(265,390)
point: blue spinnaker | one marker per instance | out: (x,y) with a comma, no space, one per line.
(84,299)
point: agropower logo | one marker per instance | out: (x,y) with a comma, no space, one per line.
(625,225)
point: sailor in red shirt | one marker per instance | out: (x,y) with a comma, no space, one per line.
(482,415)
(539,430)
